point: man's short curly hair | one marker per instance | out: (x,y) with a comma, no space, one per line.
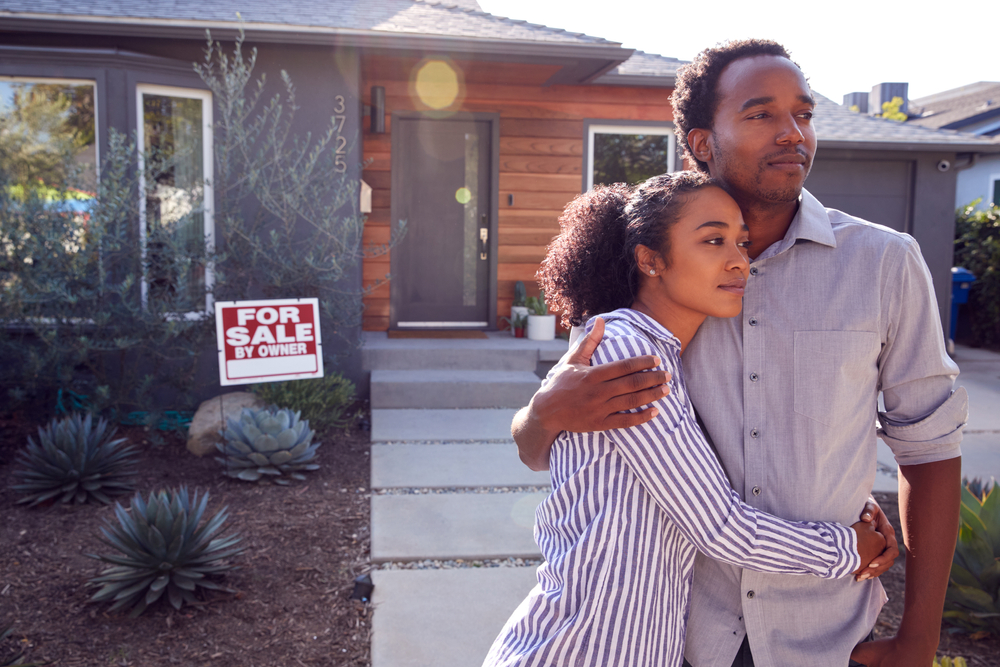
(696,97)
(590,267)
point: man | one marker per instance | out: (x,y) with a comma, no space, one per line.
(835,311)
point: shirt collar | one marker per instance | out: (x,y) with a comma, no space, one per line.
(811,223)
(642,322)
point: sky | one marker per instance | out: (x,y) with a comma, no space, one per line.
(842,47)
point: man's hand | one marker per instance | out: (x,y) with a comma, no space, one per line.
(873,514)
(582,398)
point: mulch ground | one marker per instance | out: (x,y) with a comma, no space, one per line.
(305,544)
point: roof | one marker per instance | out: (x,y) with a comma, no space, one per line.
(452,18)
(644,69)
(839,127)
(957,108)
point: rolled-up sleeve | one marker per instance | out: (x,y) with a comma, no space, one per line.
(924,413)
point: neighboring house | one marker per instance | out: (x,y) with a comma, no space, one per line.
(475,129)
(973,109)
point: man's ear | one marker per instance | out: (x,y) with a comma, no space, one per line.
(701,146)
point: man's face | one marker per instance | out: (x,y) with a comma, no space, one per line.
(762,140)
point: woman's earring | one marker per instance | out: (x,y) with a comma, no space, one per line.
(652,272)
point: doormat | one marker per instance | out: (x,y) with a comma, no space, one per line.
(436,333)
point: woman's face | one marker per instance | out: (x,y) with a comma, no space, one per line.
(708,263)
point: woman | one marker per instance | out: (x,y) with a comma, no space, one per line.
(629,507)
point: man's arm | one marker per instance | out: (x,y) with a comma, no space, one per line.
(581,398)
(929,497)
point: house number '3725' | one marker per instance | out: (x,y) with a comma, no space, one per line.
(340,141)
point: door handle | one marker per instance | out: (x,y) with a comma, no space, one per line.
(484,235)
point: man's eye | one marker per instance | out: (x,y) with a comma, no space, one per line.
(808,115)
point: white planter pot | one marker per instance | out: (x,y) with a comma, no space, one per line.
(541,327)
(515,312)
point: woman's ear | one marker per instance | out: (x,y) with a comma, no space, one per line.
(701,146)
(648,261)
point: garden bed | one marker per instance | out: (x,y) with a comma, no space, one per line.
(305,543)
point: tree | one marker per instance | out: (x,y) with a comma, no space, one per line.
(890,110)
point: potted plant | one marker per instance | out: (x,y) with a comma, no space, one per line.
(517,323)
(541,325)
(518,310)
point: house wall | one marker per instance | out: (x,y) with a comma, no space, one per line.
(541,156)
(320,75)
(976,182)
(901,190)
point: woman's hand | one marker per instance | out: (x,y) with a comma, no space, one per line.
(871,543)
(881,564)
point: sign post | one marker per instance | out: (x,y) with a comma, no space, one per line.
(268,340)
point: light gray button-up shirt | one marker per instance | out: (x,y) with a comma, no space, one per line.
(836,312)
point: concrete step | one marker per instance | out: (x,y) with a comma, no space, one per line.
(393,425)
(452,389)
(453,525)
(452,465)
(499,351)
(443,618)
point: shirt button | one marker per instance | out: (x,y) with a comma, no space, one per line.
(754,433)
(750,595)
(756,492)
(754,377)
(753,321)
(753,270)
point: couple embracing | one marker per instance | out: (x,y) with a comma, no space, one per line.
(719,525)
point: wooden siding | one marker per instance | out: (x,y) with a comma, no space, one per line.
(541,156)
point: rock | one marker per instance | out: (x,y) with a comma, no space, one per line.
(203,432)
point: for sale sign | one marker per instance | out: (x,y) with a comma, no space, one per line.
(268,341)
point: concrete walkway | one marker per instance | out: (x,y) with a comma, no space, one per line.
(452,514)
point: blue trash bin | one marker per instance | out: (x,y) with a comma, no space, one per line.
(961,282)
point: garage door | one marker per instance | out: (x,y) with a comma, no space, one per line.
(876,190)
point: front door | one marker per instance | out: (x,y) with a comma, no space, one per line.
(441,185)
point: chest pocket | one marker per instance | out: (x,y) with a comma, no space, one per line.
(835,372)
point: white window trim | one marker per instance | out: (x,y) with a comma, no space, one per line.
(659,130)
(208,160)
(72,82)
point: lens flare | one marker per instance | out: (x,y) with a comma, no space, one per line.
(436,84)
(463,195)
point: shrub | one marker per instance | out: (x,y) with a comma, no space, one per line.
(166,549)
(325,401)
(268,442)
(76,460)
(973,599)
(977,248)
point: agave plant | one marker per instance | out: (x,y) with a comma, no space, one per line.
(14,659)
(167,550)
(973,599)
(270,442)
(76,460)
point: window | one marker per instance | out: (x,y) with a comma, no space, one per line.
(629,153)
(995,189)
(48,141)
(176,226)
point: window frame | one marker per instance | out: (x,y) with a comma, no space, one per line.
(208,161)
(592,127)
(993,190)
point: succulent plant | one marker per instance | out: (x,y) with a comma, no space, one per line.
(973,599)
(74,459)
(269,442)
(167,550)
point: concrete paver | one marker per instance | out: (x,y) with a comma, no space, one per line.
(453,525)
(451,465)
(443,618)
(452,388)
(398,425)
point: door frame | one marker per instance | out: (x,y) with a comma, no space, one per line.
(396,186)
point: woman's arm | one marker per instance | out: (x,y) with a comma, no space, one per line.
(678,468)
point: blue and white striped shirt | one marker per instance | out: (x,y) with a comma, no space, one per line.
(628,509)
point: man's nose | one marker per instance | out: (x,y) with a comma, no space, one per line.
(790,132)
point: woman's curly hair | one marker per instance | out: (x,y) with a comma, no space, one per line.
(696,97)
(590,267)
